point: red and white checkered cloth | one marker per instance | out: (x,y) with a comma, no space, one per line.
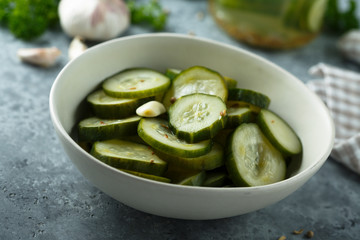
(340,90)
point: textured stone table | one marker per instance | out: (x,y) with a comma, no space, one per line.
(43,196)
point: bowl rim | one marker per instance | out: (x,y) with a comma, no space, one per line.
(307,172)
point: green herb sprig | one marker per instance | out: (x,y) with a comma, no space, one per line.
(28,19)
(338,21)
(150,13)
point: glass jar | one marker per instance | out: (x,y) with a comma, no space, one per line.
(276,24)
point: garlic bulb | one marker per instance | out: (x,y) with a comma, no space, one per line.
(76,48)
(43,57)
(349,45)
(97,20)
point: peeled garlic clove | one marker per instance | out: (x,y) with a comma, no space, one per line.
(151,109)
(349,45)
(76,48)
(44,57)
(96,20)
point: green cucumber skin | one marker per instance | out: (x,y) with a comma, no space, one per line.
(204,134)
(207,161)
(118,111)
(169,150)
(266,131)
(196,180)
(230,82)
(249,96)
(216,178)
(148,176)
(107,132)
(231,167)
(234,121)
(171,92)
(137,94)
(172,73)
(157,169)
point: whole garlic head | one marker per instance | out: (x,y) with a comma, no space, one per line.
(97,20)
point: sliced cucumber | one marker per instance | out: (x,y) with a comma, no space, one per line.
(216,178)
(196,79)
(239,115)
(209,161)
(157,134)
(96,129)
(148,176)
(222,136)
(178,174)
(239,104)
(230,82)
(172,73)
(136,83)
(279,132)
(130,156)
(194,180)
(108,107)
(197,117)
(315,14)
(251,159)
(249,96)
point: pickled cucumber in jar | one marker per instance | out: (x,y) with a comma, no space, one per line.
(275,24)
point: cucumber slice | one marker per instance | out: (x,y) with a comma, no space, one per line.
(197,117)
(196,79)
(249,96)
(251,159)
(239,115)
(315,14)
(222,136)
(209,161)
(194,180)
(107,107)
(230,82)
(178,174)
(238,104)
(136,83)
(216,178)
(130,156)
(279,132)
(96,129)
(172,73)
(157,134)
(148,176)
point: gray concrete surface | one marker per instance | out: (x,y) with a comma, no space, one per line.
(43,196)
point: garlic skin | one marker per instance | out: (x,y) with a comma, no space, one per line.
(349,45)
(97,20)
(76,48)
(151,109)
(43,57)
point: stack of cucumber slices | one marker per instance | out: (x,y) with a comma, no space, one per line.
(213,134)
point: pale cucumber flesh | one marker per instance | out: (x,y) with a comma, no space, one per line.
(156,132)
(279,132)
(130,156)
(136,83)
(197,117)
(251,159)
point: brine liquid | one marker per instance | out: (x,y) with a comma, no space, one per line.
(277,24)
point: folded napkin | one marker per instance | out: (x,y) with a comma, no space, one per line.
(340,90)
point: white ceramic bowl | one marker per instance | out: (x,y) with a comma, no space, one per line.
(290,98)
